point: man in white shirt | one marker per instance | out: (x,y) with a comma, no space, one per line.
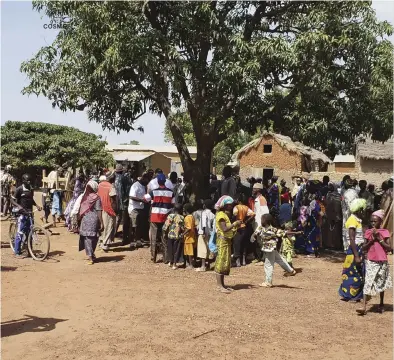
(136,209)
(153,184)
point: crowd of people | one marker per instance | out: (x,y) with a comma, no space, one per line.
(261,221)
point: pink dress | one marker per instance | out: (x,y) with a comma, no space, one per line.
(377,271)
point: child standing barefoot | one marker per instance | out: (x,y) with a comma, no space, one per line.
(189,235)
(269,238)
(377,272)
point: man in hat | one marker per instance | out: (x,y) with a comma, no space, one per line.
(153,184)
(162,200)
(107,193)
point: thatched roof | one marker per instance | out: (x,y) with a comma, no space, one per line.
(286,143)
(375,150)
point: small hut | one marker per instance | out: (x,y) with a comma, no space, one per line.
(277,154)
(374,160)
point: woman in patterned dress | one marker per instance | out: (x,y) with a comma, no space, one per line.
(353,267)
(225,231)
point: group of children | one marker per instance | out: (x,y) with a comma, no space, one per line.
(188,233)
(52,204)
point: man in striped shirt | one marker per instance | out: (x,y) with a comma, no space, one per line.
(162,202)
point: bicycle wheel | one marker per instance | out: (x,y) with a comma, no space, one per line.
(12,235)
(38,243)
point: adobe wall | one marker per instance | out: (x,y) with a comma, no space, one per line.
(344,167)
(376,166)
(373,178)
(279,158)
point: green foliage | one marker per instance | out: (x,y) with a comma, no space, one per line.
(318,71)
(42,145)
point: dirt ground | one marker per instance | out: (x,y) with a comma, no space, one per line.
(125,307)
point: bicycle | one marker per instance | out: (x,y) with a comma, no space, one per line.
(36,243)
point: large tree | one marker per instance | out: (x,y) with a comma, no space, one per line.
(222,152)
(35,145)
(322,69)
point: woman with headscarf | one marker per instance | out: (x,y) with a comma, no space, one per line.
(89,210)
(72,222)
(225,231)
(377,269)
(332,228)
(349,195)
(353,267)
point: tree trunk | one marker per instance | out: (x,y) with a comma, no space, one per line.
(198,174)
(195,171)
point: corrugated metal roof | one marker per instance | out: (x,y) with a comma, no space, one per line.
(159,149)
(132,156)
(344,159)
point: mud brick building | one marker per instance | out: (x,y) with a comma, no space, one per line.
(275,154)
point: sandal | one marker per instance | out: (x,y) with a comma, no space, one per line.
(267,285)
(381,309)
(201,269)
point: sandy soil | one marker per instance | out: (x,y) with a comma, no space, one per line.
(124,307)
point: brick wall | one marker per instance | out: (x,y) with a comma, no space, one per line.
(372,178)
(278,159)
(345,167)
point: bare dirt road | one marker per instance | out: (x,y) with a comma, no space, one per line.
(124,307)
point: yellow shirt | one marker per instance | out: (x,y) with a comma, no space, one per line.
(220,216)
(190,225)
(353,222)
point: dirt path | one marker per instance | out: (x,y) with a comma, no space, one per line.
(124,307)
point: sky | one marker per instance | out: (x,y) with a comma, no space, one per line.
(23,34)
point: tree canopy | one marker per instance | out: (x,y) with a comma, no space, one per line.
(42,145)
(319,71)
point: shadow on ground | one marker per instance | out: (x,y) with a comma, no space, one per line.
(8,268)
(387,308)
(28,324)
(333,256)
(116,258)
(56,253)
(244,287)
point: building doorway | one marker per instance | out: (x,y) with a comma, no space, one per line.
(268,174)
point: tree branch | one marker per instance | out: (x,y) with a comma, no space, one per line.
(250,26)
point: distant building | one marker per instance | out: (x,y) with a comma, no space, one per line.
(275,154)
(150,157)
(344,163)
(374,160)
